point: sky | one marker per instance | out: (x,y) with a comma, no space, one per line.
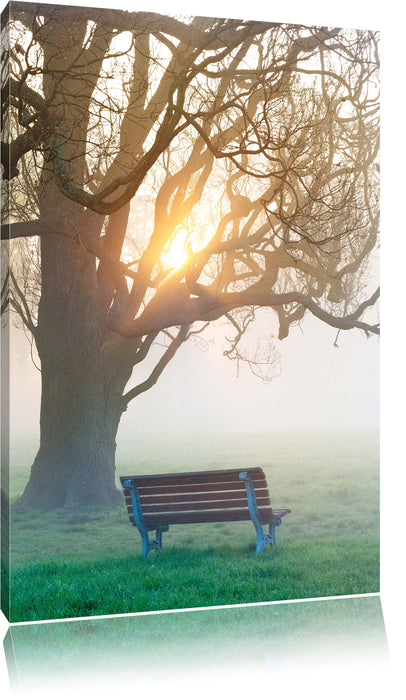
(318,388)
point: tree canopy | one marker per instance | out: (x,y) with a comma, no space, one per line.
(179,170)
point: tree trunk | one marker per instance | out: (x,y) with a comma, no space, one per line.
(82,382)
(75,464)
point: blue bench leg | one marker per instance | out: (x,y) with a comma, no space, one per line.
(263,539)
(148,544)
(271,535)
(158,535)
(145,544)
(272,525)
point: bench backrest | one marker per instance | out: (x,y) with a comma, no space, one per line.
(197,497)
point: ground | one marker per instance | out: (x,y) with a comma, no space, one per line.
(90,563)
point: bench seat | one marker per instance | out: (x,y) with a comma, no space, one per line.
(156,501)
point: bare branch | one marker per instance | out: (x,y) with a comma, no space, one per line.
(159,368)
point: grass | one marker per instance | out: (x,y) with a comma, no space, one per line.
(64,566)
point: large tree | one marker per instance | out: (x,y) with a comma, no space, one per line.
(165,172)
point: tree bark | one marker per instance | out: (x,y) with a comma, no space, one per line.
(75,464)
(82,383)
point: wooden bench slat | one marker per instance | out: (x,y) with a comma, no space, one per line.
(266,515)
(201,505)
(197,474)
(186,478)
(159,519)
(196,488)
(151,499)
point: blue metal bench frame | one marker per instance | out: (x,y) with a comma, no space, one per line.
(262,537)
(149,543)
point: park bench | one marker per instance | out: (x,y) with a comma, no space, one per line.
(158,500)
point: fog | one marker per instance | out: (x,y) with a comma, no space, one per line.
(319,388)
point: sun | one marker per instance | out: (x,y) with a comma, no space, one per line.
(176,254)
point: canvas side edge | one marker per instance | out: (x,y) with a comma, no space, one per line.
(5,364)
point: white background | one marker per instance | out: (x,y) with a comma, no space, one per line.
(388,17)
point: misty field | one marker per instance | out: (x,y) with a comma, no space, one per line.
(89,563)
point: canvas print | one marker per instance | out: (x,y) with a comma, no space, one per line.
(190,319)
